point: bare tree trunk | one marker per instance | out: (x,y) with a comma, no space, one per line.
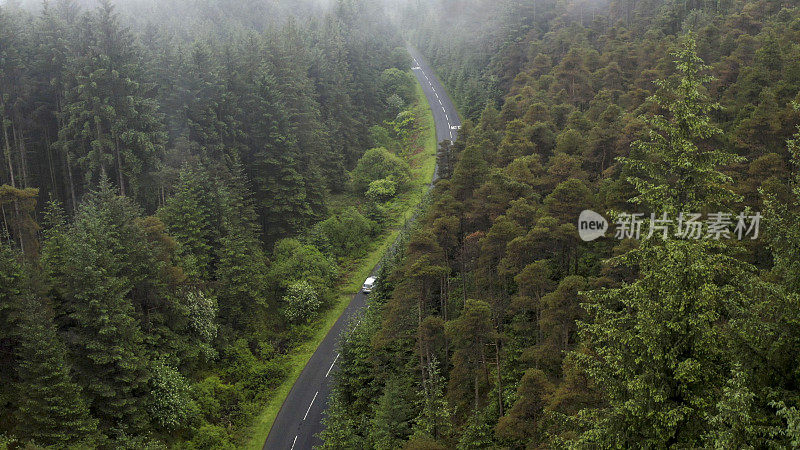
(11,171)
(483,362)
(442,298)
(21,243)
(8,150)
(5,221)
(67,162)
(98,134)
(476,390)
(120,179)
(71,183)
(19,140)
(499,378)
(50,167)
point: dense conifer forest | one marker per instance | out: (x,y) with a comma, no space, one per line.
(181,186)
(185,186)
(498,327)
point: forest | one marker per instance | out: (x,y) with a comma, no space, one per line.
(186,185)
(182,186)
(496,326)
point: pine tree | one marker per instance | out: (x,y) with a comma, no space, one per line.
(53,34)
(110,123)
(394,411)
(524,420)
(11,292)
(52,410)
(341,431)
(784,222)
(94,289)
(672,170)
(202,109)
(192,217)
(661,346)
(290,63)
(241,280)
(434,419)
(469,334)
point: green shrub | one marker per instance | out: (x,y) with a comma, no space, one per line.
(382,190)
(293,261)
(171,406)
(219,402)
(301,302)
(211,437)
(344,234)
(382,137)
(379,163)
(398,82)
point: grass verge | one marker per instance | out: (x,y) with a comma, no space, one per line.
(355,272)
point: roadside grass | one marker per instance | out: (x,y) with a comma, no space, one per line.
(355,271)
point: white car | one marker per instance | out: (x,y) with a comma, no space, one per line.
(369,283)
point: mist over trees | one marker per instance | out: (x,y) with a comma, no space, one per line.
(514,333)
(177,205)
(183,185)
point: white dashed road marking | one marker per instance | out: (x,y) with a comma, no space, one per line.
(309,406)
(331,367)
(293,442)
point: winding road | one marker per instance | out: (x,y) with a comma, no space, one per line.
(299,420)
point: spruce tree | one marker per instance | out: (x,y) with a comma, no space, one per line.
(676,167)
(193,219)
(110,123)
(52,410)
(94,293)
(661,346)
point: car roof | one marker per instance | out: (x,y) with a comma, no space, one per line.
(370,280)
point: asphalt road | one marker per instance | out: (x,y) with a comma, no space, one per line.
(300,419)
(444,112)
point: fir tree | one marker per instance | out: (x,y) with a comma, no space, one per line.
(672,170)
(94,291)
(52,409)
(662,343)
(391,423)
(110,124)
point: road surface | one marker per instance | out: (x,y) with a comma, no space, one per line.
(444,113)
(300,419)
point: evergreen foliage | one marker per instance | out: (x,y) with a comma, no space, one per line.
(546,341)
(181,161)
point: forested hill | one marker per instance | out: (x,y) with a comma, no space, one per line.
(500,328)
(181,185)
